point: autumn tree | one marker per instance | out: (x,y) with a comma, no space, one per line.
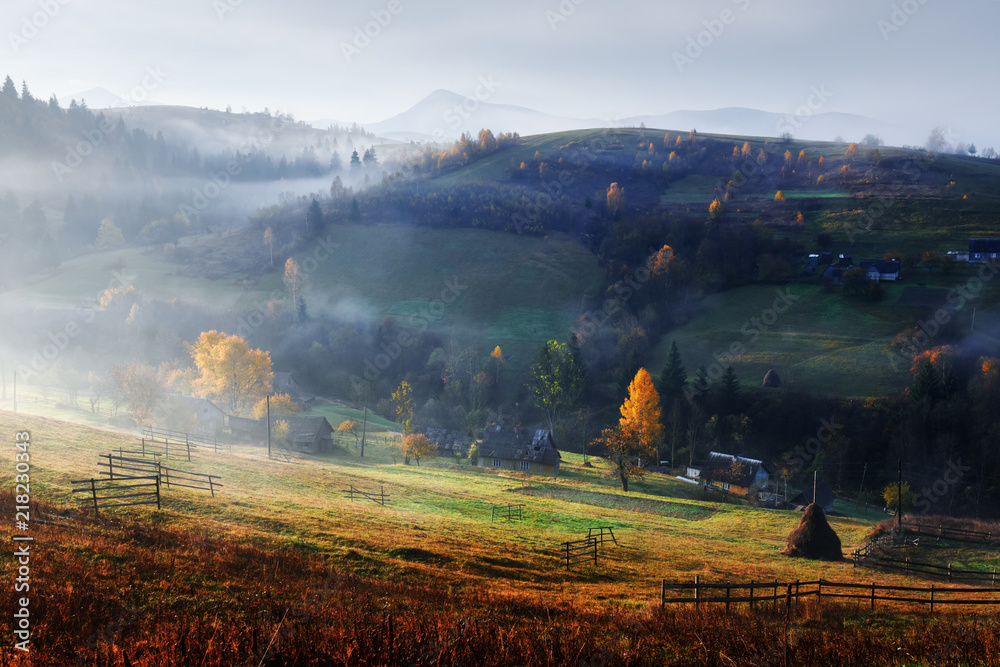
(269,242)
(616,198)
(138,387)
(419,446)
(779,196)
(852,151)
(281,404)
(638,433)
(230,372)
(715,209)
(557,380)
(893,492)
(402,398)
(280,431)
(109,235)
(293,282)
(497,361)
(802,156)
(746,149)
(350,426)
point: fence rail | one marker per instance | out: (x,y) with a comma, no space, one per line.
(168,476)
(381,498)
(602,534)
(951,533)
(95,487)
(154,433)
(509,512)
(823,588)
(916,567)
(580,551)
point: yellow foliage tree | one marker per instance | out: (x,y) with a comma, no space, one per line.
(418,446)
(788,157)
(293,282)
(746,149)
(403,399)
(616,198)
(780,196)
(281,404)
(230,372)
(280,430)
(715,208)
(109,235)
(802,155)
(638,433)
(350,426)
(664,256)
(851,152)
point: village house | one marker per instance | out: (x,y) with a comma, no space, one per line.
(734,474)
(191,414)
(984,250)
(284,383)
(450,443)
(877,270)
(516,448)
(310,435)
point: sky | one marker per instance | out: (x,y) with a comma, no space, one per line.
(916,64)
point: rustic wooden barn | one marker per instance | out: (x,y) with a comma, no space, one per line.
(526,450)
(734,474)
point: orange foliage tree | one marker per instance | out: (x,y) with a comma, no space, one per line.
(418,446)
(616,198)
(638,433)
(281,404)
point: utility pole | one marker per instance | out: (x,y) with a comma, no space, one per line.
(899,496)
(268,427)
(861,489)
(364,429)
(815,474)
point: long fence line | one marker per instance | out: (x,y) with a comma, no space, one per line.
(944,532)
(144,491)
(916,567)
(168,476)
(823,588)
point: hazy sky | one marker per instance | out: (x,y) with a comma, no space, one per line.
(914,63)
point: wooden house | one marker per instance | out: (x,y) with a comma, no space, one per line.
(191,414)
(984,250)
(527,450)
(734,474)
(878,270)
(450,443)
(311,435)
(284,383)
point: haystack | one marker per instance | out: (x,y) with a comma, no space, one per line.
(814,538)
(772,379)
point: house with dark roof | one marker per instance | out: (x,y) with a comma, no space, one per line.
(984,250)
(311,435)
(191,414)
(734,474)
(284,383)
(526,450)
(450,443)
(824,497)
(877,270)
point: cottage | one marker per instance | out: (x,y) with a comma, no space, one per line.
(519,449)
(450,443)
(191,414)
(311,435)
(812,264)
(984,250)
(824,497)
(878,269)
(734,474)
(284,383)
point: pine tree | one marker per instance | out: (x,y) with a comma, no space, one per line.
(314,218)
(672,378)
(729,391)
(355,161)
(9,89)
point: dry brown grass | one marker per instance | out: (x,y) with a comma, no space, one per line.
(114,592)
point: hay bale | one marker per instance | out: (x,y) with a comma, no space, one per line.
(772,379)
(813,538)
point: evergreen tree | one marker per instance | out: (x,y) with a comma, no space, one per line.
(355,161)
(672,378)
(729,393)
(314,218)
(9,89)
(926,383)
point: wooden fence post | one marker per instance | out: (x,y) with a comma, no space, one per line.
(93,491)
(727,594)
(663,592)
(796,591)
(932,598)
(567,555)
(157,492)
(994,577)
(873,596)
(188,443)
(210,487)
(774,596)
(111,470)
(751,593)
(595,552)
(697,592)
(819,590)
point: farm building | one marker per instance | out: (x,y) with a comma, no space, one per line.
(312,435)
(880,270)
(284,383)
(450,443)
(519,449)
(824,497)
(191,414)
(734,474)
(984,250)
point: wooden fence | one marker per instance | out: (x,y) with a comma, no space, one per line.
(144,491)
(823,588)
(872,546)
(580,551)
(183,437)
(602,534)
(168,476)
(908,566)
(951,533)
(381,498)
(509,512)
